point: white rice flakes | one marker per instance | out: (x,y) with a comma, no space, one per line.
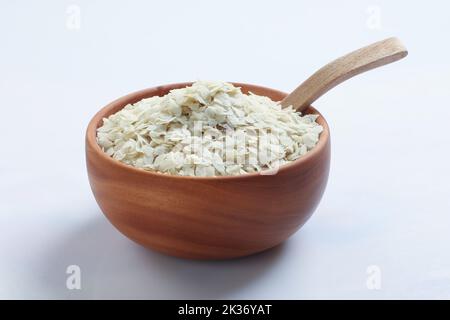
(208,129)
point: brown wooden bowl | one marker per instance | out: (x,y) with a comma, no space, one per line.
(206,217)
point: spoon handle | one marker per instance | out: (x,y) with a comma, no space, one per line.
(373,56)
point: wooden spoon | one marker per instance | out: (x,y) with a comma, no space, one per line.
(367,58)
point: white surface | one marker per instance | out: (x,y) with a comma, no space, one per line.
(387,202)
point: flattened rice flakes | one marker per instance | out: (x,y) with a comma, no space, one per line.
(208,129)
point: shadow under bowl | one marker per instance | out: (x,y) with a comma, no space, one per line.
(206,217)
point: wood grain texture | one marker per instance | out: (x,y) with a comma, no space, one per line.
(206,217)
(341,69)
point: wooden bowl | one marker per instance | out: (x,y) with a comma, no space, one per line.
(206,217)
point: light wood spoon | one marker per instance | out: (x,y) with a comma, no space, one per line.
(367,58)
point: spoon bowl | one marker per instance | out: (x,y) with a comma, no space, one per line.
(206,217)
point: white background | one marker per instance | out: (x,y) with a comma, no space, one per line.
(387,202)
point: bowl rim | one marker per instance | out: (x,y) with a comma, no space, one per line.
(91,135)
